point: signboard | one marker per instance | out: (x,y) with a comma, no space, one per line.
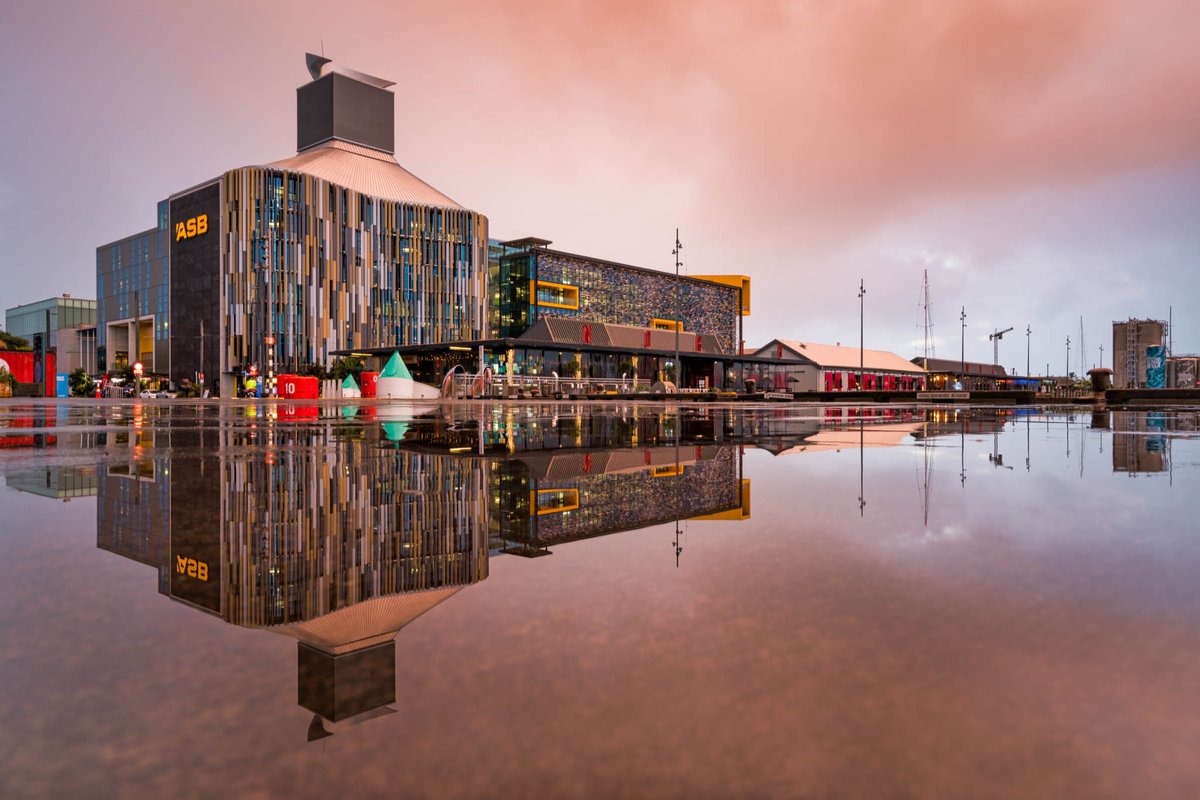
(1156,367)
(62,387)
(778,396)
(943,395)
(195,281)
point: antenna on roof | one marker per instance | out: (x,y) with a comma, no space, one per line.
(316,63)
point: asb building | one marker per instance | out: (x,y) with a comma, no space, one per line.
(273,267)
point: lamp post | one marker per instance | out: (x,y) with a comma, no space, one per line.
(678,317)
(862,291)
(1028,330)
(962,318)
(1067,374)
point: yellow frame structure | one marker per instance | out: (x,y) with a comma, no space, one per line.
(568,289)
(570,506)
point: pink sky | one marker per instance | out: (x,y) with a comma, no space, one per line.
(1041,159)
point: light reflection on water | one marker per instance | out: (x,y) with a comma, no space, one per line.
(768,601)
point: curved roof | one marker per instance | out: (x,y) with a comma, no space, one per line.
(362,169)
(367,623)
(835,356)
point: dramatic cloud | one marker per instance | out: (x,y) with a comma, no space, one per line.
(1042,160)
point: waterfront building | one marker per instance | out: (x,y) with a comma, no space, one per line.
(1134,342)
(274,267)
(63,327)
(534,282)
(973,375)
(794,366)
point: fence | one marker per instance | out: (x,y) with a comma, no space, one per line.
(468,386)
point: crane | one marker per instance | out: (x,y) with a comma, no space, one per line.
(996,336)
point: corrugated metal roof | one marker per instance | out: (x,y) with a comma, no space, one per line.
(570,331)
(954,366)
(362,169)
(836,356)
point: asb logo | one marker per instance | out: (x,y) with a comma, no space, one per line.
(196,226)
(191,567)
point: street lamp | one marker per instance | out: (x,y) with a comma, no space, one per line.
(862,291)
(678,317)
(962,318)
(1028,330)
(1067,374)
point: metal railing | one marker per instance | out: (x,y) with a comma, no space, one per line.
(500,386)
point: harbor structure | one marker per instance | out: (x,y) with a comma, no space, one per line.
(1138,343)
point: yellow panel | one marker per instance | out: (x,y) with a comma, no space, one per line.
(666,324)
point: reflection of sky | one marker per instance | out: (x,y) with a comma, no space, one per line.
(1039,638)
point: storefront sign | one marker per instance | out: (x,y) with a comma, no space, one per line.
(193,226)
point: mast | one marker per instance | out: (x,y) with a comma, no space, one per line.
(930,348)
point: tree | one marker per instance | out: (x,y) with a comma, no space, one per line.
(7,378)
(81,383)
(351,365)
(10,342)
(573,368)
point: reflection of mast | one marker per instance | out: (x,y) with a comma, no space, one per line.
(925,494)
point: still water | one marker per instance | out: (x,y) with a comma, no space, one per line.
(598,601)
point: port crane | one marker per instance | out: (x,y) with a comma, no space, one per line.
(996,336)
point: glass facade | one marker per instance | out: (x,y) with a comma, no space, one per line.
(65,312)
(132,281)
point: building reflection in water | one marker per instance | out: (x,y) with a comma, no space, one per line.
(1140,441)
(338,531)
(339,536)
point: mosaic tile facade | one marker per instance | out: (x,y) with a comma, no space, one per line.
(614,293)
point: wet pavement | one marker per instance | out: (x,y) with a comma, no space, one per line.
(590,600)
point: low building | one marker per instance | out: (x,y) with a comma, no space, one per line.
(64,326)
(795,366)
(974,376)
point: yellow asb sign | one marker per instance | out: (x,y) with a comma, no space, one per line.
(196,226)
(191,567)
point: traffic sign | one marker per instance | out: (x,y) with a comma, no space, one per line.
(137,369)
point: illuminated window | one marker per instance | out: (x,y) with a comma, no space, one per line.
(555,501)
(556,295)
